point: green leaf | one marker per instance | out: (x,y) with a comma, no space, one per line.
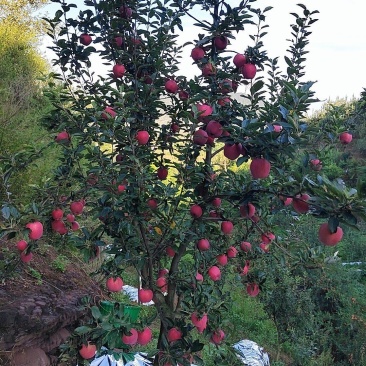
(82,330)
(96,312)
(333,224)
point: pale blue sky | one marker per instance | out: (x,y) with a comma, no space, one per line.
(337,49)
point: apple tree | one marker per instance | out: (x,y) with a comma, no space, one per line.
(138,178)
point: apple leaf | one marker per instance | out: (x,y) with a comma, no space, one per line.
(82,330)
(333,223)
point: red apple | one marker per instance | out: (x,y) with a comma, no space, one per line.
(239,60)
(204,110)
(216,202)
(221,42)
(232,252)
(174,127)
(214,273)
(171,86)
(245,269)
(247,210)
(163,272)
(70,217)
(265,247)
(199,277)
(286,200)
(327,237)
(114,284)
(300,204)
(214,128)
(36,230)
(145,295)
(62,136)
(85,39)
(125,12)
(224,101)
(59,226)
(217,337)
(75,226)
(121,188)
(162,173)
(109,112)
(249,71)
(87,351)
(170,252)
(345,138)
(174,334)
(144,337)
(196,211)
(222,259)
(57,214)
(152,203)
(131,338)
(200,137)
(22,245)
(142,137)
(162,284)
(267,237)
(77,207)
(203,245)
(118,70)
(26,258)
(199,322)
(277,128)
(232,151)
(197,53)
(183,95)
(227,227)
(118,41)
(252,289)
(208,69)
(245,246)
(260,168)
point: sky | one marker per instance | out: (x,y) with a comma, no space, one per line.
(337,49)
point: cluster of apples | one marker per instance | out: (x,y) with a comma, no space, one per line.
(35,233)
(61,224)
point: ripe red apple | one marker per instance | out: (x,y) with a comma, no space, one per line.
(131,338)
(163,272)
(221,42)
(216,202)
(197,53)
(162,284)
(118,41)
(204,110)
(121,188)
(265,247)
(200,137)
(239,60)
(224,101)
(286,200)
(75,226)
(114,284)
(26,258)
(174,334)
(247,210)
(171,86)
(144,337)
(162,173)
(327,237)
(108,113)
(222,259)
(152,203)
(199,277)
(57,214)
(245,269)
(183,95)
(70,217)
(196,211)
(227,227)
(267,237)
(59,227)
(208,69)
(260,168)
(245,246)
(170,252)
(62,136)
(85,39)
(252,289)
(213,213)
(249,71)
(142,137)
(345,138)
(125,12)
(145,295)
(22,245)
(87,351)
(77,207)
(217,337)
(277,128)
(214,128)
(214,273)
(203,245)
(232,252)
(36,230)
(232,151)
(299,203)
(316,165)
(118,70)
(199,322)
(174,127)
